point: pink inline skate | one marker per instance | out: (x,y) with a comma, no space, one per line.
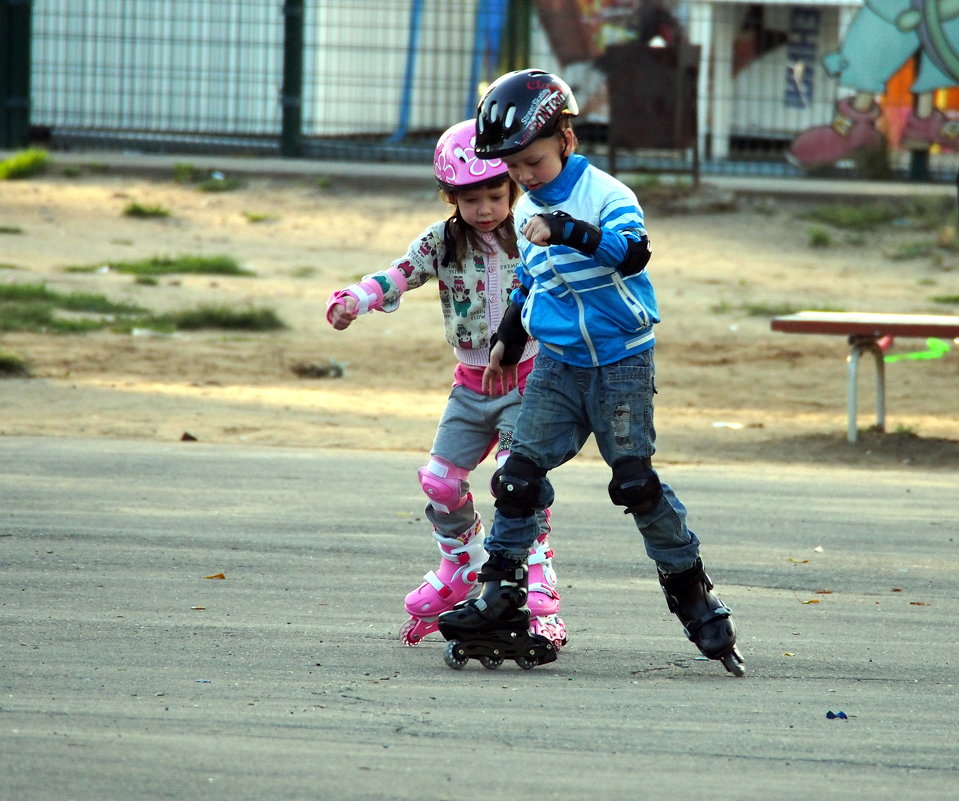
(543,598)
(452,582)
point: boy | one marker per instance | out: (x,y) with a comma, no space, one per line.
(586,298)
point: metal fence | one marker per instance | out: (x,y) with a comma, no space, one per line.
(739,86)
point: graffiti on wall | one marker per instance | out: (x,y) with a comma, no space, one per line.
(884,37)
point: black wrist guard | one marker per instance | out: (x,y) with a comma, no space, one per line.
(637,256)
(577,234)
(512,334)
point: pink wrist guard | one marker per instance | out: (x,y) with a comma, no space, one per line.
(367,294)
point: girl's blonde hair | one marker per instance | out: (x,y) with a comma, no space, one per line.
(460,236)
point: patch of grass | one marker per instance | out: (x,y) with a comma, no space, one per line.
(218,182)
(134,209)
(303,272)
(779,309)
(10,229)
(185,173)
(74,301)
(645,182)
(765,208)
(819,237)
(768,310)
(945,299)
(927,213)
(247,319)
(72,172)
(34,307)
(860,217)
(323,182)
(919,213)
(906,251)
(212,181)
(165,265)
(13,365)
(24,164)
(253,217)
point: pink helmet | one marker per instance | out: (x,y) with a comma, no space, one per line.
(455,164)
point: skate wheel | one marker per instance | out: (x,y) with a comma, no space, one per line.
(491,662)
(454,656)
(527,662)
(733,662)
(408,634)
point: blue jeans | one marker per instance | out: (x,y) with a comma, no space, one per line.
(561,407)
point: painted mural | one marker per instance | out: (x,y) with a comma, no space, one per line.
(885,39)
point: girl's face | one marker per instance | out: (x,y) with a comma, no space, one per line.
(538,163)
(484,208)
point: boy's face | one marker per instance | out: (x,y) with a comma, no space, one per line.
(538,163)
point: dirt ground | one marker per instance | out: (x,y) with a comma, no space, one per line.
(730,389)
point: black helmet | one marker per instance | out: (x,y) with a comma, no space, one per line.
(517,108)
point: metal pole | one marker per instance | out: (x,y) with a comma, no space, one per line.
(292,93)
(14,72)
(515,55)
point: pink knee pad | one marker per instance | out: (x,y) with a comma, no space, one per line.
(443,484)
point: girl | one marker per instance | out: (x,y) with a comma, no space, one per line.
(473,255)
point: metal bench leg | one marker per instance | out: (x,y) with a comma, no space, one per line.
(858,346)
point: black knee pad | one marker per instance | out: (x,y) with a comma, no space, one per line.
(516,486)
(635,485)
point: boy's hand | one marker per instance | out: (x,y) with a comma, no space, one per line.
(343,313)
(537,230)
(498,380)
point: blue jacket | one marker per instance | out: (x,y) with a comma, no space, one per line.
(581,308)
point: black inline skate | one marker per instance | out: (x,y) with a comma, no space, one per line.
(706,620)
(495,626)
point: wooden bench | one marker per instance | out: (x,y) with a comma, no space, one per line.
(864,332)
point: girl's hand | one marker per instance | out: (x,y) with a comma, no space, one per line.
(343,313)
(497,379)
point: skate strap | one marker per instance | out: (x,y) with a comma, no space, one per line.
(434,581)
(540,556)
(543,589)
(719,613)
(460,556)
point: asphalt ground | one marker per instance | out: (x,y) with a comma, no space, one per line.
(125,673)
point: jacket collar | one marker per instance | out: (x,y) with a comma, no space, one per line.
(561,187)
